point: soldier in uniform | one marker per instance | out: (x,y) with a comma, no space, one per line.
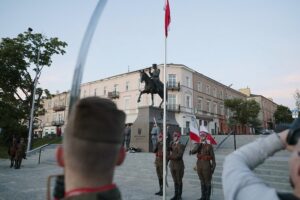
(127,136)
(205,165)
(20,153)
(176,164)
(159,163)
(155,76)
(154,134)
(12,151)
(92,148)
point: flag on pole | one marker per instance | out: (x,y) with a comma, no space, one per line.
(209,137)
(194,132)
(167,17)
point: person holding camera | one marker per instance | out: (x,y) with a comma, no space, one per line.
(92,148)
(239,181)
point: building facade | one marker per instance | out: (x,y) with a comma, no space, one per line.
(267,108)
(190,94)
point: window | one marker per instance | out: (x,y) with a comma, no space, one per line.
(214,93)
(207,89)
(127,86)
(126,103)
(222,110)
(208,106)
(95,92)
(84,93)
(188,101)
(221,94)
(199,104)
(187,79)
(172,101)
(214,110)
(116,87)
(172,80)
(199,86)
(104,91)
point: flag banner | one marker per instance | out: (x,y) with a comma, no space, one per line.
(167,17)
(194,131)
(209,137)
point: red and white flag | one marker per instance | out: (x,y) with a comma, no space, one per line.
(167,17)
(209,138)
(194,132)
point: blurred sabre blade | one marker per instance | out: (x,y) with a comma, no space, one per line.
(84,48)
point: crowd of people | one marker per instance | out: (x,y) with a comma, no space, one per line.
(95,132)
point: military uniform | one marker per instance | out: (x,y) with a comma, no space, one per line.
(86,194)
(154,133)
(127,134)
(20,154)
(12,152)
(159,165)
(205,167)
(155,77)
(177,167)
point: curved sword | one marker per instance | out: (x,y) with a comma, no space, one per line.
(84,48)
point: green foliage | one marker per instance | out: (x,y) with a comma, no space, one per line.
(22,59)
(283,115)
(244,112)
(46,140)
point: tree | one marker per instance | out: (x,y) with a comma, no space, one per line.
(20,58)
(283,115)
(244,111)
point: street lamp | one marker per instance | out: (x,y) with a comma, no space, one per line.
(35,82)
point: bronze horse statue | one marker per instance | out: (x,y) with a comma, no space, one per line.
(151,88)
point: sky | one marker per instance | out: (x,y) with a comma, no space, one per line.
(246,43)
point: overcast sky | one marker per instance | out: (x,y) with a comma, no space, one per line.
(248,43)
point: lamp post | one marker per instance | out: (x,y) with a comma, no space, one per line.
(35,82)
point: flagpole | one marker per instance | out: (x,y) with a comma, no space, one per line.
(164,125)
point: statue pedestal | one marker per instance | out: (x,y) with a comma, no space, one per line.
(141,128)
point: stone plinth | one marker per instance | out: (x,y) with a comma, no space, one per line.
(141,128)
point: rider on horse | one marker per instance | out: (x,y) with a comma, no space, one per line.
(155,77)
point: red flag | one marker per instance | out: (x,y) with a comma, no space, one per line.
(167,17)
(209,137)
(194,132)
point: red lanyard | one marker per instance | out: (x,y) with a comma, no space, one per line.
(79,191)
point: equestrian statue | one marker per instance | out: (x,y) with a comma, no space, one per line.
(152,84)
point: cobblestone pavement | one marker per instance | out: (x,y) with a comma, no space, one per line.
(136,178)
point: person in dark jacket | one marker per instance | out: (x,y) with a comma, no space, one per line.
(176,165)
(92,148)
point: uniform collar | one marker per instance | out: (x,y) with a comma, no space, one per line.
(80,191)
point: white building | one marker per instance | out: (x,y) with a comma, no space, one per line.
(187,89)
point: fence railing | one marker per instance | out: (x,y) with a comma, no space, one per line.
(220,144)
(37,150)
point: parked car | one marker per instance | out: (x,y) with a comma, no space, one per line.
(267,131)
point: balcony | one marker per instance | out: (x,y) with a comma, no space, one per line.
(58,122)
(113,95)
(174,86)
(173,107)
(57,108)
